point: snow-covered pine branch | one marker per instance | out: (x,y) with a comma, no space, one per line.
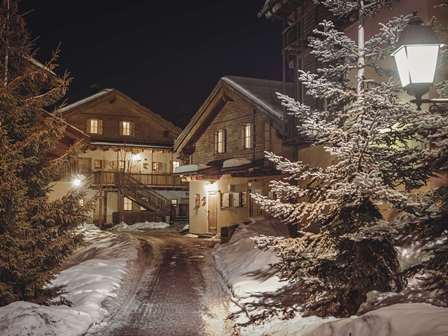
(381,147)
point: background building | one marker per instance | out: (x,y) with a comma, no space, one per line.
(127,164)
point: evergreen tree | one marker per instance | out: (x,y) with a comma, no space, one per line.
(35,234)
(381,153)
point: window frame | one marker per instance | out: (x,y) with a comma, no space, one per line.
(122,165)
(127,204)
(97,166)
(221,141)
(248,138)
(129,129)
(98,129)
(158,169)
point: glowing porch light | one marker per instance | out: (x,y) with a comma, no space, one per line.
(211,187)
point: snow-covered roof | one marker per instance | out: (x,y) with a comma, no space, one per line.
(190,168)
(86,100)
(273,7)
(121,144)
(238,162)
(38,64)
(143,110)
(261,93)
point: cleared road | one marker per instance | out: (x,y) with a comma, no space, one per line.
(173,291)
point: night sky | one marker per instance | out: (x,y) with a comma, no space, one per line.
(167,55)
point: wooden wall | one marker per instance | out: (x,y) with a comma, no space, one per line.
(113,110)
(232,117)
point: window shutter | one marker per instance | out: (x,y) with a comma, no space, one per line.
(243,136)
(88,125)
(132,128)
(121,128)
(225,139)
(100,126)
(216,141)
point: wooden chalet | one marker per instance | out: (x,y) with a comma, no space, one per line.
(223,151)
(128,161)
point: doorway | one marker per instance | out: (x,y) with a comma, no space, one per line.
(212,212)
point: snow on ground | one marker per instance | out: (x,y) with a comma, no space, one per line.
(94,274)
(239,262)
(242,265)
(141,226)
(416,319)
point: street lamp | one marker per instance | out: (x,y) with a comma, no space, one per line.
(416,58)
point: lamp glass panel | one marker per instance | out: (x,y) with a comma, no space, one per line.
(401,59)
(422,61)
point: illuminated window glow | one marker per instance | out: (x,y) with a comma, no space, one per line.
(127,206)
(126,128)
(247,136)
(220,141)
(95,126)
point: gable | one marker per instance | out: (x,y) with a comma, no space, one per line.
(254,94)
(112,107)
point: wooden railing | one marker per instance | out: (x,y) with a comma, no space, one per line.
(145,197)
(131,217)
(112,178)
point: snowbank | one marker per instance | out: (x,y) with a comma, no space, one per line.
(245,269)
(141,226)
(95,275)
(410,319)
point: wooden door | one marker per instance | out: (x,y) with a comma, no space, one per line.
(212,213)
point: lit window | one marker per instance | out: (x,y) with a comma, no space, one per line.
(81,202)
(95,126)
(174,202)
(127,206)
(220,141)
(247,136)
(126,128)
(97,164)
(176,164)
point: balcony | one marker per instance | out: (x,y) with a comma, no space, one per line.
(112,179)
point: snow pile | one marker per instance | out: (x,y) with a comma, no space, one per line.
(95,274)
(398,320)
(246,271)
(141,226)
(189,168)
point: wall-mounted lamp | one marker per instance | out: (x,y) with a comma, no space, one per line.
(77,181)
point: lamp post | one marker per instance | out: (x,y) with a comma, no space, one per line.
(416,59)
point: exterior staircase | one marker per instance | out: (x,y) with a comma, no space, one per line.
(143,196)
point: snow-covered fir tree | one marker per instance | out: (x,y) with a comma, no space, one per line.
(35,234)
(381,153)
